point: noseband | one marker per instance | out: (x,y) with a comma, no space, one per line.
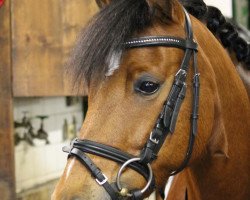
(165,123)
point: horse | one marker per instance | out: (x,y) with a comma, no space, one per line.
(165,100)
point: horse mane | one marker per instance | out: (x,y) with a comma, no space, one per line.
(104,36)
(220,27)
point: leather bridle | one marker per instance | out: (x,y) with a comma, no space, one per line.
(165,123)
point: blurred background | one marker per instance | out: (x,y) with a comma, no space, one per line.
(39,111)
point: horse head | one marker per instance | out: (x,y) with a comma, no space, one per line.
(144,63)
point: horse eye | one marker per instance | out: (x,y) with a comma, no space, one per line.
(147,87)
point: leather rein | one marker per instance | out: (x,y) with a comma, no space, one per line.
(165,123)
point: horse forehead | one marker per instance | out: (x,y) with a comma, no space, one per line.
(159,61)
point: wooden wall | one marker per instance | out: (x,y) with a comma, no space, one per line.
(7,172)
(35,41)
(43,34)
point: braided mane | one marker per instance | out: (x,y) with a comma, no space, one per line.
(218,25)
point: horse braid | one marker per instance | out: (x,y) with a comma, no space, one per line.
(228,35)
(218,25)
(195,7)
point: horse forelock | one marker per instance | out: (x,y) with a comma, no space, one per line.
(101,42)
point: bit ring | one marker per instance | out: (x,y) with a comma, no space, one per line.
(118,178)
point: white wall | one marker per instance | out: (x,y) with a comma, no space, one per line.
(35,165)
(225,6)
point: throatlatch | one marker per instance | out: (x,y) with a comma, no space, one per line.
(165,123)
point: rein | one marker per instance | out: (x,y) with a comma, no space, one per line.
(165,123)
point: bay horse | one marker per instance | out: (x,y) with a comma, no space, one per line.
(164,99)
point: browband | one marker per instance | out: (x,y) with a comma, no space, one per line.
(167,41)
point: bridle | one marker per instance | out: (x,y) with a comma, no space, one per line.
(165,123)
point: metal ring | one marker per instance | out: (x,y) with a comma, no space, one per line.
(118,178)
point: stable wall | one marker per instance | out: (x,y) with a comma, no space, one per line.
(226,6)
(39,164)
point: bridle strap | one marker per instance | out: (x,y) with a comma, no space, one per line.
(108,152)
(79,148)
(96,173)
(168,117)
(155,41)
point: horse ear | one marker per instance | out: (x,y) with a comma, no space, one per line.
(161,9)
(102,3)
(166,10)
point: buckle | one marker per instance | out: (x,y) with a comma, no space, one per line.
(152,139)
(181,74)
(103,181)
(68,149)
